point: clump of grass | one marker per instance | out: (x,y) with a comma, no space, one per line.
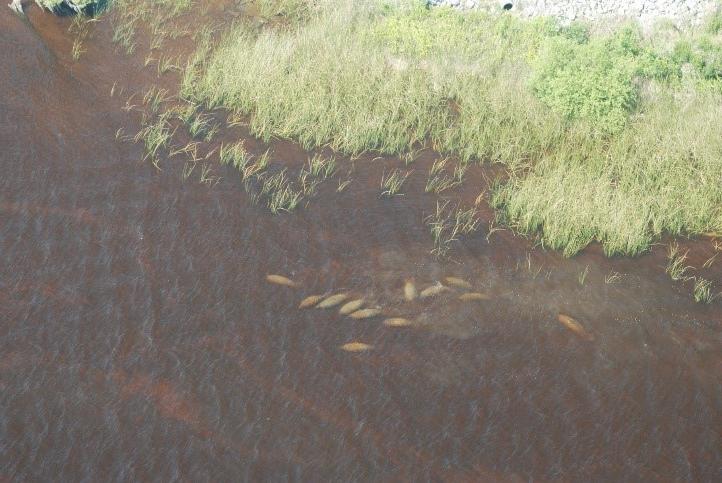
(447,225)
(439,181)
(703,291)
(155,136)
(309,184)
(154,97)
(343,184)
(167,64)
(317,169)
(200,125)
(256,168)
(80,30)
(129,15)
(583,276)
(280,193)
(235,155)
(321,167)
(391,183)
(676,268)
(124,34)
(410,156)
(612,277)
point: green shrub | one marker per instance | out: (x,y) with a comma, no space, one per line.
(596,80)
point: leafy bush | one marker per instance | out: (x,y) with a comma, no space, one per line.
(596,80)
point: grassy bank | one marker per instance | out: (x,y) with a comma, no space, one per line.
(607,137)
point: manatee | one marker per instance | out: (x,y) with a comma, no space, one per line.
(458,282)
(575,327)
(309,301)
(332,301)
(365,313)
(281,280)
(472,296)
(397,322)
(410,292)
(432,291)
(352,306)
(356,347)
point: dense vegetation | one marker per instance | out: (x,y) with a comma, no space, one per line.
(609,137)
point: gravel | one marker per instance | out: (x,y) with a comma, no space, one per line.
(682,13)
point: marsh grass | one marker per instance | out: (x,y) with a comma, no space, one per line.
(155,97)
(157,16)
(392,182)
(155,136)
(612,278)
(267,184)
(439,181)
(235,155)
(703,291)
(583,275)
(317,169)
(280,193)
(80,30)
(605,138)
(448,224)
(321,167)
(676,268)
(343,184)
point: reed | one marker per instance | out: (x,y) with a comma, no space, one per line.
(676,268)
(392,182)
(703,291)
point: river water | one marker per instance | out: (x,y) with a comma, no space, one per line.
(140,341)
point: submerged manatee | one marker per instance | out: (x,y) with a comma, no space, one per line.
(473,296)
(365,313)
(356,347)
(575,327)
(332,301)
(433,290)
(397,322)
(458,282)
(310,301)
(350,307)
(281,280)
(410,292)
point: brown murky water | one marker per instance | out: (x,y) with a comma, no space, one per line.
(139,339)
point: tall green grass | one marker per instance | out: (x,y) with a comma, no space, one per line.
(610,138)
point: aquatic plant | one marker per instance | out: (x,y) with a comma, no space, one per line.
(612,277)
(235,154)
(447,225)
(343,184)
(321,167)
(438,180)
(391,183)
(675,264)
(155,136)
(703,291)
(583,276)
(154,97)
